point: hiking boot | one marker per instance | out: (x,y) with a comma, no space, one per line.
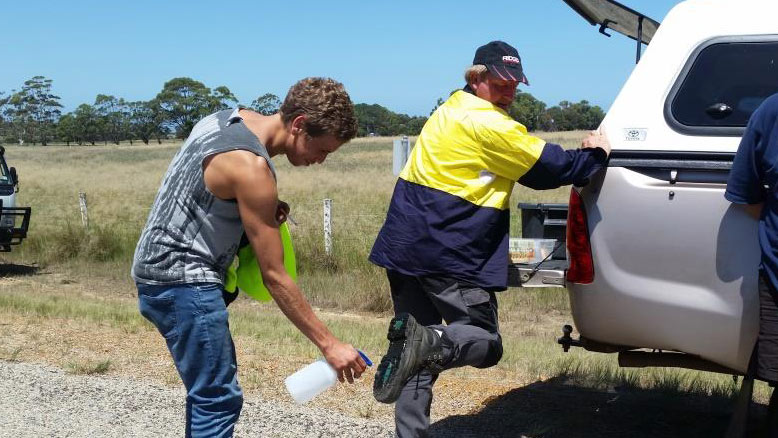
(412,348)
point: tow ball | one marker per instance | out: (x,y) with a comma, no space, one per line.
(566,340)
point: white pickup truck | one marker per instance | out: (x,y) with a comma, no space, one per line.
(662,269)
(14,221)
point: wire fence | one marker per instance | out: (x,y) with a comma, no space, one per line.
(334,224)
(337,224)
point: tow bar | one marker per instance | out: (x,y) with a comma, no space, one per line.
(567,341)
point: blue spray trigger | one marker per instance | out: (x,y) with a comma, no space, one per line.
(365,358)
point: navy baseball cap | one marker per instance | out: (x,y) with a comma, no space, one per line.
(502,60)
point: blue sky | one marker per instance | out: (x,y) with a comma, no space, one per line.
(402,54)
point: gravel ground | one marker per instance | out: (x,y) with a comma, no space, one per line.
(42,401)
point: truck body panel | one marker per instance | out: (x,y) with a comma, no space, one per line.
(675,264)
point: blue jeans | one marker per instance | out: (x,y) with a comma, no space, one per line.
(193,320)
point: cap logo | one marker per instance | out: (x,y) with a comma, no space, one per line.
(510,60)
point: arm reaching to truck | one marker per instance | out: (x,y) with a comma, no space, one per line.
(557,167)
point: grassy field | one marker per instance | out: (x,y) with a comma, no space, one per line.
(120,183)
(64,280)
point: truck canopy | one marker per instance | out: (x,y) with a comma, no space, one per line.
(709,65)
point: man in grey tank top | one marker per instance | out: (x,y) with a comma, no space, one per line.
(220,185)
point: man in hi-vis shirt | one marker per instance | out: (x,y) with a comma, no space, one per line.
(444,243)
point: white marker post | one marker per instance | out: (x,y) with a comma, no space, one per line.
(84,211)
(400,153)
(328,227)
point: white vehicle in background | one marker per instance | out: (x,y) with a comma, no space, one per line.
(14,221)
(662,269)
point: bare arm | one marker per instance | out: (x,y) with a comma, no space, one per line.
(246,177)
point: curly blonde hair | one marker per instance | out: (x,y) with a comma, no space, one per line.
(326,105)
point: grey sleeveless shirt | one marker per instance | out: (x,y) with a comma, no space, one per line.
(191,236)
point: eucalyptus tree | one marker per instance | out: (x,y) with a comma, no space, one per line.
(266,104)
(114,114)
(67,129)
(527,110)
(35,110)
(223,98)
(184,101)
(378,120)
(3,117)
(88,124)
(18,120)
(569,116)
(145,121)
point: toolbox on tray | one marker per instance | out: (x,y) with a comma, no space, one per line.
(545,221)
(541,223)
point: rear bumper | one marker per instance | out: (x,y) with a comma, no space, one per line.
(665,274)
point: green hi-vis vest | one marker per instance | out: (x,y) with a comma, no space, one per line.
(247,275)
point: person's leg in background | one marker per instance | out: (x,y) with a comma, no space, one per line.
(767,349)
(193,320)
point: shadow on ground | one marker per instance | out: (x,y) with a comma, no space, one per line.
(554,409)
(14,270)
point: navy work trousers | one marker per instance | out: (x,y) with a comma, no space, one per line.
(470,314)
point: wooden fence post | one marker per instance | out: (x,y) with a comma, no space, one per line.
(328,227)
(84,211)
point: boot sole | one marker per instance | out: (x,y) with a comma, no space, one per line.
(393,371)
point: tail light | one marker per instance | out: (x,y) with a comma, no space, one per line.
(579,248)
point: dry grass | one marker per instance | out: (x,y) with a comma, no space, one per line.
(85,325)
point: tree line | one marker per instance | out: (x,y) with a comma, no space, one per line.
(535,116)
(33,114)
